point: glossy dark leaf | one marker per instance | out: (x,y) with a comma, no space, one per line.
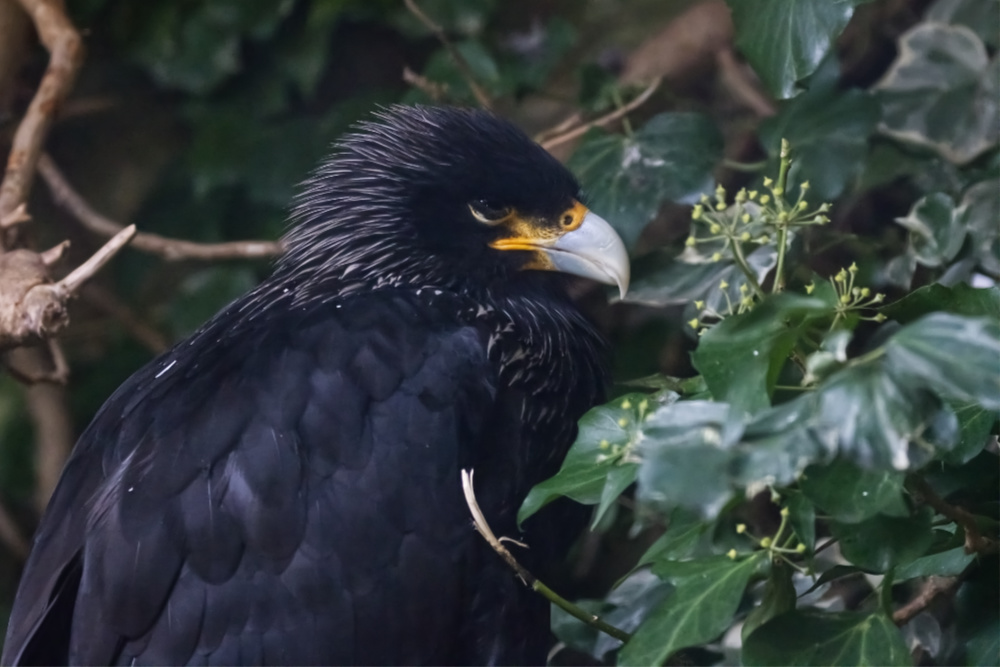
(961,299)
(786,41)
(741,356)
(779,598)
(982,17)
(936,229)
(627,179)
(957,356)
(828,130)
(948,563)
(813,637)
(883,542)
(685,456)
(603,460)
(850,494)
(707,594)
(802,517)
(975,424)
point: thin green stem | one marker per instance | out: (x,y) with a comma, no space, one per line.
(748,167)
(779,200)
(576,612)
(741,261)
(779,273)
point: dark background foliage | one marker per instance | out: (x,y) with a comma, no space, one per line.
(195,119)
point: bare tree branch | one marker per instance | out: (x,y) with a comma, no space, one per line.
(170,249)
(463,65)
(606,119)
(66,54)
(975,541)
(931,589)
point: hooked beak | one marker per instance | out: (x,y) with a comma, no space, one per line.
(590,248)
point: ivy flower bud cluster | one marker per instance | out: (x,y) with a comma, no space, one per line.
(851,297)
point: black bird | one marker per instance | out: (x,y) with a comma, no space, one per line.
(283,486)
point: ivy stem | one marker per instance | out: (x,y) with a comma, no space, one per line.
(529,579)
(779,200)
(748,167)
(745,268)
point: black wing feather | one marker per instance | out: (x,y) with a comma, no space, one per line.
(266,494)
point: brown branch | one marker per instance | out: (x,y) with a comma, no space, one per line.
(32,307)
(931,589)
(66,54)
(463,65)
(606,119)
(170,249)
(975,541)
(434,90)
(16,217)
(48,407)
(740,81)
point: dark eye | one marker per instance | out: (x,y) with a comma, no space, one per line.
(488,212)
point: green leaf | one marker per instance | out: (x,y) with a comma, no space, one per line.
(828,130)
(958,356)
(706,597)
(962,299)
(662,280)
(942,92)
(626,179)
(980,16)
(975,424)
(741,356)
(633,599)
(813,637)
(943,564)
(441,69)
(883,542)
(601,463)
(785,41)
(981,201)
(850,494)
(779,598)
(678,541)
(937,229)
(876,419)
(685,456)
(802,517)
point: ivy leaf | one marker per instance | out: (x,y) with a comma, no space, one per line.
(441,69)
(828,131)
(802,517)
(979,16)
(937,229)
(942,564)
(962,299)
(850,494)
(601,463)
(958,356)
(779,598)
(883,542)
(685,456)
(813,637)
(741,356)
(626,179)
(661,280)
(941,92)
(874,418)
(786,41)
(975,424)
(707,594)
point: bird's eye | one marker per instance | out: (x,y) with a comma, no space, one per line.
(489,213)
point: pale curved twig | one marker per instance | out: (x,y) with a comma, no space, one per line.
(606,119)
(170,249)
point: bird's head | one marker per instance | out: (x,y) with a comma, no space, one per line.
(443,196)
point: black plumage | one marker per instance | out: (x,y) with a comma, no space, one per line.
(283,486)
